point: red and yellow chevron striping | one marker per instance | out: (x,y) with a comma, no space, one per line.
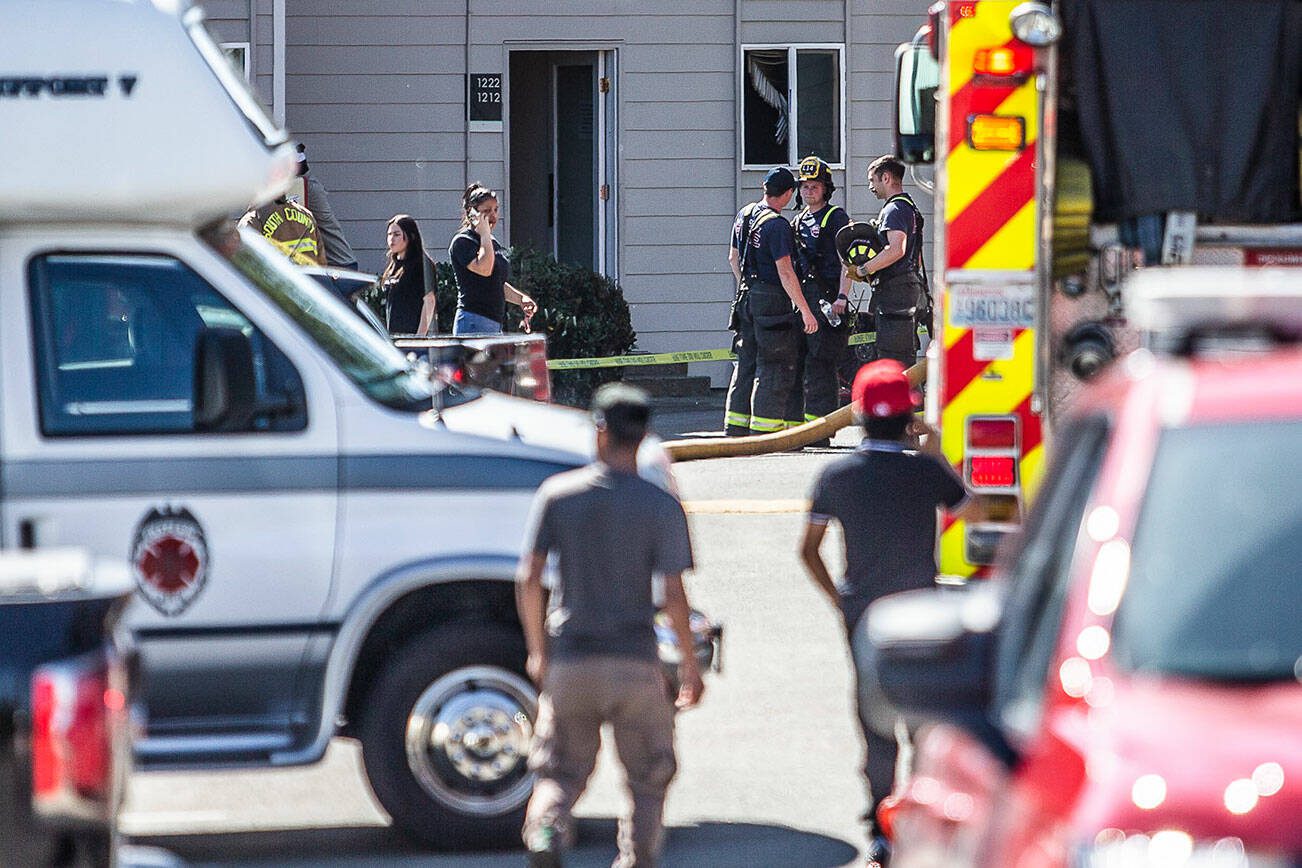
(988,199)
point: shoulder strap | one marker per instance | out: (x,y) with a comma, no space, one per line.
(750,226)
(827,215)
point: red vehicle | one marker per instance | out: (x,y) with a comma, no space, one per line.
(1128,691)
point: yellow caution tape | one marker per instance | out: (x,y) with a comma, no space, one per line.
(670,358)
(635,360)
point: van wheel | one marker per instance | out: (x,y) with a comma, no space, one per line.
(446,732)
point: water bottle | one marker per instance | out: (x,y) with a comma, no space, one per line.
(833,319)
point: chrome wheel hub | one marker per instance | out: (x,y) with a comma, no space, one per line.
(468,737)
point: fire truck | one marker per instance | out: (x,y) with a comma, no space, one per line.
(1071,143)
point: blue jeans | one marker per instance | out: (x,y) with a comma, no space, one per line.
(467,323)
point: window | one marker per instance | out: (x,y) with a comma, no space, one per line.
(366,358)
(793,104)
(1214,592)
(115,339)
(238,55)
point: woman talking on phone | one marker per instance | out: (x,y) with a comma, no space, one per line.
(482,269)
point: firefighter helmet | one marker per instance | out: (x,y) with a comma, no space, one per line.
(814,169)
(857,243)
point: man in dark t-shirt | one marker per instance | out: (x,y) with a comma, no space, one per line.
(900,295)
(769,313)
(885,497)
(592,650)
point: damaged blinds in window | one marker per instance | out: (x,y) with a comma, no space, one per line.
(791,105)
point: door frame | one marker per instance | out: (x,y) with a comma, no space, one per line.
(610,212)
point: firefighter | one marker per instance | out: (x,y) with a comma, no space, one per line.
(900,299)
(769,312)
(824,282)
(289,226)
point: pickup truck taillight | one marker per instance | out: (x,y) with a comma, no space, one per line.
(542,381)
(79,714)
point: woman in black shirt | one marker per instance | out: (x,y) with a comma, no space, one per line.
(410,303)
(482,268)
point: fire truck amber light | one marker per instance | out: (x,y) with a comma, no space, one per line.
(992,471)
(995,61)
(996,132)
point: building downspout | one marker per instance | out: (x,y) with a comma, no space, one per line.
(277,61)
(740,134)
(465,140)
(844,107)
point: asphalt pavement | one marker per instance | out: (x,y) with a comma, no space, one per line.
(768,763)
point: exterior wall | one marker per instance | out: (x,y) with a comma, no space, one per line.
(376,91)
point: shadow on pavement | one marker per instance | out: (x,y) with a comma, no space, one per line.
(714,844)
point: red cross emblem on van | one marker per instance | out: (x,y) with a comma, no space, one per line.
(169,556)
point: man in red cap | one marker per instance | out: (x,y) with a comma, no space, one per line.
(885,498)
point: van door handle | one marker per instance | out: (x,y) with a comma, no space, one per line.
(27,534)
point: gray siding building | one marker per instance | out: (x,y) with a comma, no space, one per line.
(623,136)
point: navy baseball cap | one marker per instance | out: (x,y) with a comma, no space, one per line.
(779,180)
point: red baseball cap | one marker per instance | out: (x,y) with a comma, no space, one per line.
(881,389)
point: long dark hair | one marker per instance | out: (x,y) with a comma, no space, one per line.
(471,199)
(415,253)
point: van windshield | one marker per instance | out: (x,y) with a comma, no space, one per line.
(1214,591)
(364,356)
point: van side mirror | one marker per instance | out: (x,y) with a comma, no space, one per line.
(917,76)
(930,654)
(225,385)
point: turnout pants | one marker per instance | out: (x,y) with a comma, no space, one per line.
(578,697)
(895,303)
(768,349)
(823,351)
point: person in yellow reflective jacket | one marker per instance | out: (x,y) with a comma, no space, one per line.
(290,227)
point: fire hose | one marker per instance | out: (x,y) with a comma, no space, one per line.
(779,441)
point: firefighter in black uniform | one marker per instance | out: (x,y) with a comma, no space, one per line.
(824,283)
(769,312)
(900,298)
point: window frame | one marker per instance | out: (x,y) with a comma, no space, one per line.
(793,158)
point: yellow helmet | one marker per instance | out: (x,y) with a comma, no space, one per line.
(814,169)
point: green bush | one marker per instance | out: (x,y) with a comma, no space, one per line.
(583,314)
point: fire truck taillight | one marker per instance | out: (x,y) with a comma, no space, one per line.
(987,433)
(992,445)
(996,132)
(992,471)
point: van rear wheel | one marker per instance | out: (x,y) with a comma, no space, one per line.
(445,736)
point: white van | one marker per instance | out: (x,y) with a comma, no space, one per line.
(316,551)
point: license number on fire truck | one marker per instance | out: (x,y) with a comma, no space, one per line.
(986,306)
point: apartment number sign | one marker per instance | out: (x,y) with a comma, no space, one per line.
(484,98)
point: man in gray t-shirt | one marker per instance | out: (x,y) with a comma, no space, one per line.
(592,651)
